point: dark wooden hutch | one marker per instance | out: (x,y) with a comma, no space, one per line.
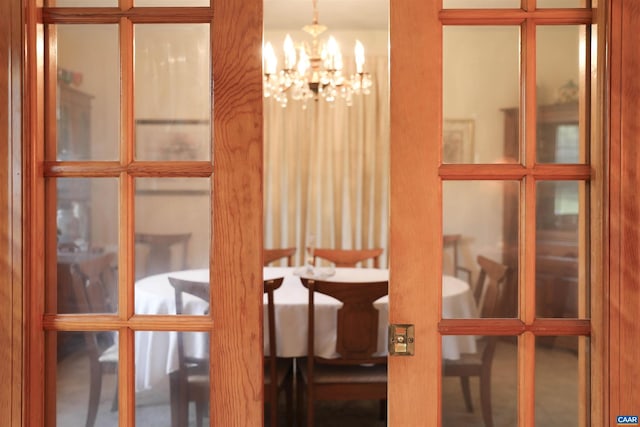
(557,228)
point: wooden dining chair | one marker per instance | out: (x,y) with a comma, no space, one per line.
(489,294)
(347,257)
(190,382)
(94,287)
(160,246)
(356,373)
(272,255)
(278,372)
(453,241)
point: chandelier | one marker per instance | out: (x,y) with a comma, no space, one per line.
(313,71)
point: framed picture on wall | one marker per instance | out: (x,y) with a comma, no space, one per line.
(174,140)
(457,141)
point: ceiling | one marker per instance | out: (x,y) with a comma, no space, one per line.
(335,14)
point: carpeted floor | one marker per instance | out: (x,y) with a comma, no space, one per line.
(556,397)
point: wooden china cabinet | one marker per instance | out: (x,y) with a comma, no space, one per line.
(557,229)
(73,199)
(74,143)
(74,123)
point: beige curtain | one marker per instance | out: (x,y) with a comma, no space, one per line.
(326,171)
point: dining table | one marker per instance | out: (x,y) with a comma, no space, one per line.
(156,351)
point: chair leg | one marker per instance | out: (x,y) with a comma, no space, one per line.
(179,400)
(114,405)
(273,409)
(485,400)
(383,409)
(310,414)
(288,390)
(299,398)
(271,400)
(466,392)
(200,405)
(310,407)
(94,392)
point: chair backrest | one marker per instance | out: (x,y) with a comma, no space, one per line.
(94,283)
(159,256)
(489,290)
(68,247)
(348,257)
(271,359)
(94,287)
(357,320)
(271,255)
(198,289)
(453,241)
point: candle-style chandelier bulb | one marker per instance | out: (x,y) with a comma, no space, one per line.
(313,71)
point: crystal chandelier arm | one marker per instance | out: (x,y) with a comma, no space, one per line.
(313,72)
(359,52)
(270,63)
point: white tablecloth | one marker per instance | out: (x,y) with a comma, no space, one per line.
(156,353)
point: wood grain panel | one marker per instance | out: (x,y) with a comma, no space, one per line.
(34,219)
(136,169)
(514,16)
(11,331)
(6,287)
(415,225)
(237,287)
(126,272)
(112,15)
(625,348)
(515,171)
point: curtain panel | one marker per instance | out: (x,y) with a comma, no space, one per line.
(326,170)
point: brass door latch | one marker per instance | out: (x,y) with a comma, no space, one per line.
(401,340)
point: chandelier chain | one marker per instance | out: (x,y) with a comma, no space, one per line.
(315,12)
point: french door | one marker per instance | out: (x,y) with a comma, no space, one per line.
(231,171)
(492,138)
(128,99)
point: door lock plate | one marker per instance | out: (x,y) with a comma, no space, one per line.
(401,340)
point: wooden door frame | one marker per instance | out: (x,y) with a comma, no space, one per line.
(618,336)
(11,285)
(622,336)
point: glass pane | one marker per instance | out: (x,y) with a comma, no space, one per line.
(88,102)
(560,278)
(474,101)
(491,232)
(75,384)
(561,380)
(172,91)
(560,137)
(562,3)
(161,372)
(170,237)
(499,375)
(87,241)
(87,214)
(484,4)
(180,140)
(81,3)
